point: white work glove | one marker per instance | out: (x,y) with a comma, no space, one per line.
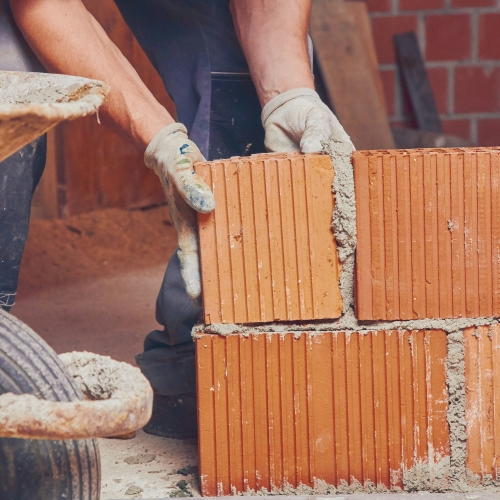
(297,120)
(172,155)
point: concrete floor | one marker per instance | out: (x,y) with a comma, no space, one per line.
(89,283)
(111,316)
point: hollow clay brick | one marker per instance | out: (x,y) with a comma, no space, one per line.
(482,375)
(284,410)
(267,251)
(428,225)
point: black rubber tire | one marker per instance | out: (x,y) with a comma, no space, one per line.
(36,469)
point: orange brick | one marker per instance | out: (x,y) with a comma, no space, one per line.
(428,224)
(482,375)
(280,410)
(268,252)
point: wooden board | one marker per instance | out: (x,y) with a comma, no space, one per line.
(344,50)
(412,67)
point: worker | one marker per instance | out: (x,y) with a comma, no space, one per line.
(239,74)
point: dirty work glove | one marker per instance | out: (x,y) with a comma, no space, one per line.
(172,155)
(297,120)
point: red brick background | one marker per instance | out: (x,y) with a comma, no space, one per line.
(460,40)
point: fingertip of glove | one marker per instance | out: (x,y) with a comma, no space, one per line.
(194,292)
(311,146)
(205,205)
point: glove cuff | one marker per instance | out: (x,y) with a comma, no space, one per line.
(158,142)
(283,98)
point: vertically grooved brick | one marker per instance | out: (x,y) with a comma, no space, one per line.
(267,251)
(428,233)
(335,407)
(495,227)
(482,362)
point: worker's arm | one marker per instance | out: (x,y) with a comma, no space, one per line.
(67,39)
(273,35)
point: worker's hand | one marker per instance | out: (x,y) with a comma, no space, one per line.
(172,155)
(297,120)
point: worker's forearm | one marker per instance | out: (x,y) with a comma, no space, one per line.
(273,35)
(67,39)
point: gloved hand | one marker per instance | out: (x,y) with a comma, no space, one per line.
(297,120)
(172,155)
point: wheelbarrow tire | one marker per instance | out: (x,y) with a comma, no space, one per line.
(40,469)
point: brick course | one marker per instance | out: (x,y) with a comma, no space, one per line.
(459,38)
(267,251)
(428,234)
(281,411)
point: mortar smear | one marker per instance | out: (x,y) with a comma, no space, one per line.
(428,477)
(455,380)
(344,214)
(96,376)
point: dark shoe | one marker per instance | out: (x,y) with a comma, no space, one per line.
(173,417)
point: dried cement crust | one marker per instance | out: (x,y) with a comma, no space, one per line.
(32,103)
(119,397)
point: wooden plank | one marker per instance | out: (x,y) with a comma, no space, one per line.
(345,65)
(44,204)
(359,12)
(411,64)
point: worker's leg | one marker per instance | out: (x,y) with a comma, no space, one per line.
(20,173)
(194,46)
(19,176)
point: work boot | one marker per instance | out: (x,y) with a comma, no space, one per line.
(173,417)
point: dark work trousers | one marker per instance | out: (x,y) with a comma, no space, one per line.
(193,45)
(20,173)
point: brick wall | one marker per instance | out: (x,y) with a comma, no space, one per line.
(460,40)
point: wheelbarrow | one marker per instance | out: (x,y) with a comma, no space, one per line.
(53,407)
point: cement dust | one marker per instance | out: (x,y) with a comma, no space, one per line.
(157,478)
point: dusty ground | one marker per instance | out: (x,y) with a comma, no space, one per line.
(95,245)
(90,283)
(150,466)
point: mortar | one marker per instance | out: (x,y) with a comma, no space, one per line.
(33,103)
